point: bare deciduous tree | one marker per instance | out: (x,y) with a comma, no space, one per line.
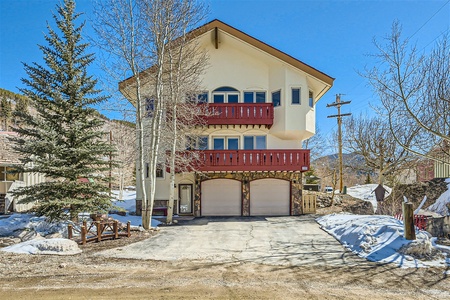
(142,34)
(414,89)
(371,138)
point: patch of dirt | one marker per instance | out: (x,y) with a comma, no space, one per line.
(88,276)
(135,237)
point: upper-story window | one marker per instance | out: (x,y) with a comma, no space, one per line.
(226,143)
(276,98)
(311,99)
(199,97)
(253,142)
(197,143)
(254,97)
(225,94)
(296,92)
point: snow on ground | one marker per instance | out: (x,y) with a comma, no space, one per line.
(440,206)
(57,246)
(365,192)
(380,239)
(12,225)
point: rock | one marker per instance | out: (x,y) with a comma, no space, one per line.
(360,208)
(62,266)
(8,241)
(175,221)
(55,235)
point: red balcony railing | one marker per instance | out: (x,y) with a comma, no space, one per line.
(240,114)
(250,160)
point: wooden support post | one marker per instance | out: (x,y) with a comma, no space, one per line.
(83,235)
(69,231)
(99,231)
(116,230)
(408,221)
(85,223)
(128,229)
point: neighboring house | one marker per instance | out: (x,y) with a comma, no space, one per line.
(9,181)
(428,169)
(252,156)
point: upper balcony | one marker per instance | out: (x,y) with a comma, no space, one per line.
(250,160)
(241,114)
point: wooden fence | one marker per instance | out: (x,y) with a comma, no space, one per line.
(98,231)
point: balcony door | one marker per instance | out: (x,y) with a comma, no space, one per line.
(226,143)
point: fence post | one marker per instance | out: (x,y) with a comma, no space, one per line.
(408,221)
(116,230)
(69,232)
(83,235)
(128,229)
(99,231)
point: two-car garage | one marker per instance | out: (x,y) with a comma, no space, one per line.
(223,197)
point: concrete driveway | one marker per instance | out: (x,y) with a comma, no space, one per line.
(291,241)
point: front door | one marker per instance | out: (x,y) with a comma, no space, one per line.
(185,195)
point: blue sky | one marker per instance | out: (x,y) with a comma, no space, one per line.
(333,36)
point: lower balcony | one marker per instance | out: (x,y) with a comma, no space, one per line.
(249,160)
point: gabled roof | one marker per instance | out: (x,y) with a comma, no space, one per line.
(254,42)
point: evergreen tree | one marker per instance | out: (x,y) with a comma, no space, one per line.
(5,111)
(63,140)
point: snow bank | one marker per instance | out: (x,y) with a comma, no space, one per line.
(58,246)
(16,222)
(365,192)
(380,239)
(440,206)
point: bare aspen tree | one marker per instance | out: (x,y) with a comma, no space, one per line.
(414,88)
(121,29)
(146,36)
(185,64)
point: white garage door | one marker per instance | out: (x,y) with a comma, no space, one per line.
(221,197)
(269,197)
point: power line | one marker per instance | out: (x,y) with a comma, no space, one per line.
(429,19)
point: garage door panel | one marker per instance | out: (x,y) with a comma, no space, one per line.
(269,197)
(221,197)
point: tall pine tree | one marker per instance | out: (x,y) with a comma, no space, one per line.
(63,140)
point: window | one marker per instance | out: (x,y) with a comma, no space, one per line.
(197,143)
(149,106)
(197,97)
(159,172)
(257,142)
(276,98)
(5,174)
(202,143)
(296,96)
(202,97)
(254,97)
(311,99)
(226,143)
(225,94)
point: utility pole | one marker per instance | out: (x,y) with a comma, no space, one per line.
(339,116)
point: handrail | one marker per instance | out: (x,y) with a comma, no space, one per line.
(251,160)
(240,114)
